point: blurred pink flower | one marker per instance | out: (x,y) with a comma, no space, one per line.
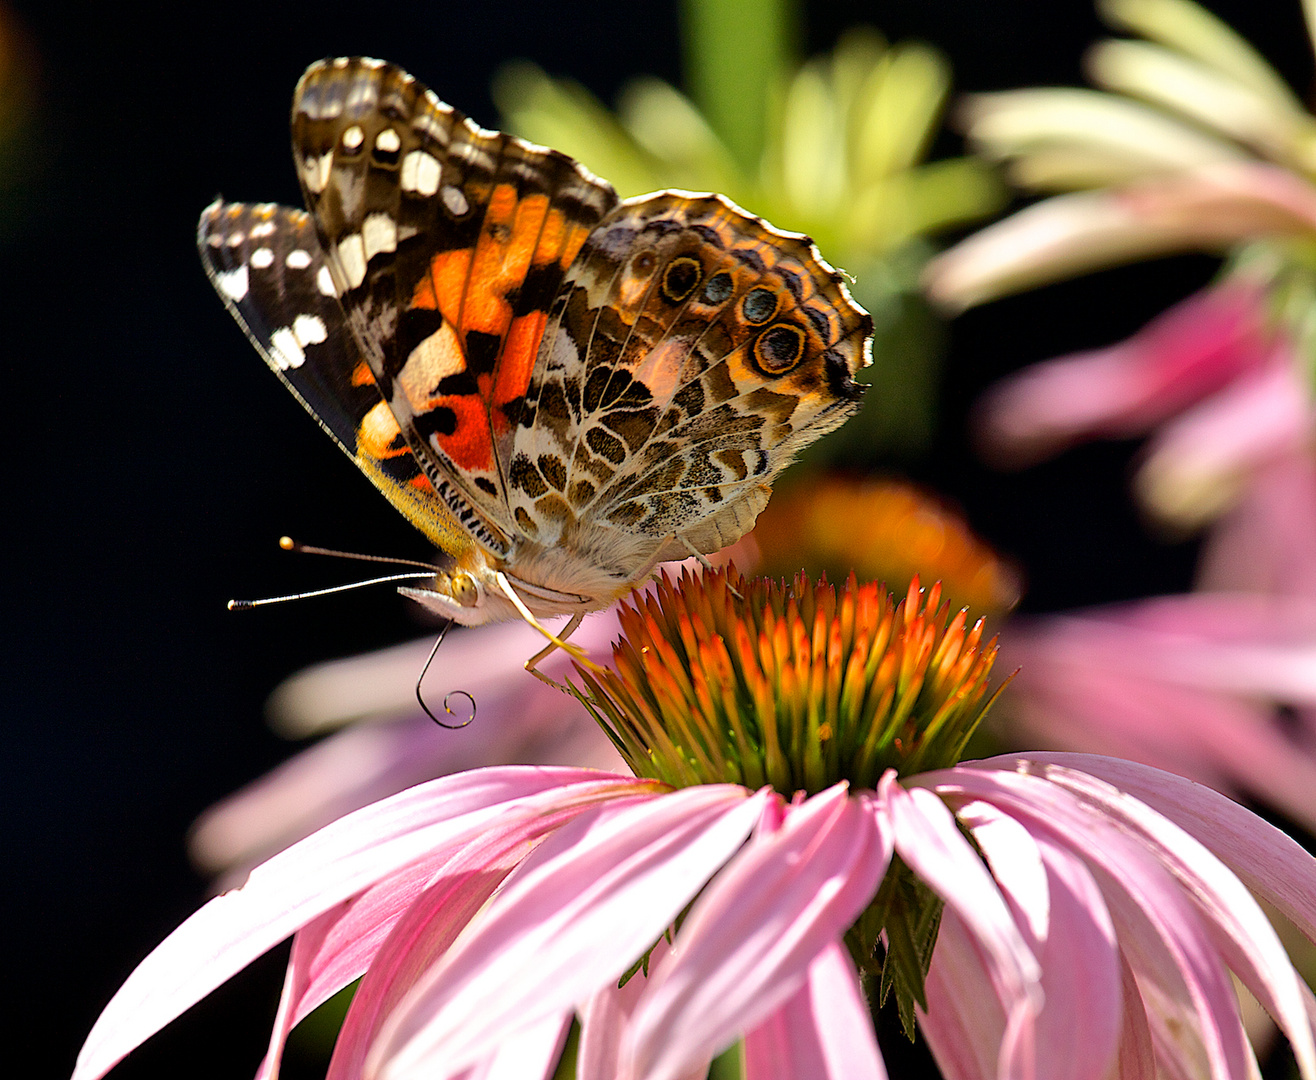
(1219,684)
(1219,687)
(1193,350)
(1214,374)
(387,744)
(485,909)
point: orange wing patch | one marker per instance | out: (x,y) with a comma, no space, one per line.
(474,290)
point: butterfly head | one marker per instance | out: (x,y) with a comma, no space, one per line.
(475,591)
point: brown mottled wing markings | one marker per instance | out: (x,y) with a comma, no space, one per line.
(693,350)
(448,244)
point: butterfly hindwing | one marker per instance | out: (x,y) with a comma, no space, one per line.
(693,351)
(448,244)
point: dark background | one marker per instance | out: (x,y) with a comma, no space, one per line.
(153,460)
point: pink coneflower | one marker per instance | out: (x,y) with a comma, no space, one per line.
(796,832)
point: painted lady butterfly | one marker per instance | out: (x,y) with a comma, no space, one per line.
(560,389)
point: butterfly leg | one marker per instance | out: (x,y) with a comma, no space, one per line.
(531,665)
(708,566)
(555,641)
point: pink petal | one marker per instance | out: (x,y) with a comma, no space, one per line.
(748,942)
(615,878)
(426,929)
(528,1054)
(822,1031)
(929,842)
(1198,462)
(1064,921)
(1269,862)
(1263,545)
(604,1018)
(1173,947)
(1196,209)
(312,877)
(1137,1059)
(965,1022)
(1190,351)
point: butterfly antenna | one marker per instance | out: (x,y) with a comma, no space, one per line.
(289,544)
(247,605)
(447,707)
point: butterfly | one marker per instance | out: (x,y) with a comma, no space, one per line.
(559,388)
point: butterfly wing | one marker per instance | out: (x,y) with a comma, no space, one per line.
(266,263)
(446,244)
(692,352)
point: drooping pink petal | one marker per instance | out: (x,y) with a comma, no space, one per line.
(929,842)
(1190,351)
(296,983)
(341,944)
(1060,912)
(528,1054)
(617,878)
(1219,831)
(822,1031)
(320,872)
(966,1018)
(427,927)
(1180,682)
(1137,1059)
(1199,462)
(604,1017)
(1267,860)
(1188,998)
(1165,941)
(749,940)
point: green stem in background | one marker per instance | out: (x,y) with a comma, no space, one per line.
(735,51)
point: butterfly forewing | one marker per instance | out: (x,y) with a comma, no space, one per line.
(266,263)
(448,243)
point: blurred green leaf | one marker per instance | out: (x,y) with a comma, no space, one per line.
(734,51)
(567,117)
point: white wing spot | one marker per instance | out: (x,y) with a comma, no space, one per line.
(298,259)
(236,240)
(388,141)
(420,172)
(261,258)
(315,171)
(353,137)
(233,283)
(352,259)
(309,329)
(286,350)
(455,201)
(263,229)
(379,234)
(325,282)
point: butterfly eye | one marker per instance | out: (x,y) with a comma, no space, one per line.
(759,306)
(464,590)
(681,277)
(779,348)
